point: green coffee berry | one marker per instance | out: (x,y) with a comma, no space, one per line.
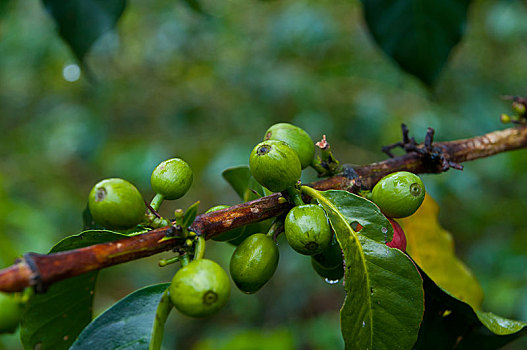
(200,289)
(229,235)
(307,229)
(504,118)
(296,138)
(254,262)
(172,178)
(251,229)
(275,165)
(399,194)
(116,203)
(10,314)
(518,107)
(329,263)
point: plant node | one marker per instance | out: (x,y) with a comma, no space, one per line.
(435,154)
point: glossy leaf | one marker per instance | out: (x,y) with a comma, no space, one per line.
(384,301)
(450,323)
(418,34)
(357,209)
(125,325)
(81,22)
(87,238)
(248,189)
(190,214)
(53,320)
(243,182)
(432,249)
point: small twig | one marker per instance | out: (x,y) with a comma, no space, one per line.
(431,152)
(152,210)
(326,164)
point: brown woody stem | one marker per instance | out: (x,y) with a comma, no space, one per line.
(40,270)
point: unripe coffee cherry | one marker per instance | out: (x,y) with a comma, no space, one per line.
(275,165)
(10,313)
(116,203)
(296,138)
(172,178)
(200,289)
(307,229)
(229,235)
(518,107)
(399,194)
(254,262)
(329,264)
(399,238)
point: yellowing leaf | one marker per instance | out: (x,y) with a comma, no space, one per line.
(432,247)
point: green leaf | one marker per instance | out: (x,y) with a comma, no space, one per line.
(238,177)
(195,5)
(450,323)
(432,248)
(384,301)
(360,210)
(243,182)
(81,22)
(417,34)
(125,325)
(190,215)
(85,239)
(54,319)
(499,325)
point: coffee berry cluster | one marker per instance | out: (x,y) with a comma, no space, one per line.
(277,163)
(201,286)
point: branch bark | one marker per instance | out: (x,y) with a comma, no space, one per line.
(41,270)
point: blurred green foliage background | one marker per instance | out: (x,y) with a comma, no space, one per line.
(170,82)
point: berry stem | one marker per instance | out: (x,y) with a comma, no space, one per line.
(317,165)
(165,262)
(156,201)
(199,251)
(326,164)
(184,260)
(162,312)
(276,228)
(294,196)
